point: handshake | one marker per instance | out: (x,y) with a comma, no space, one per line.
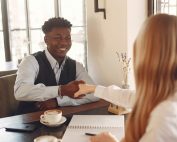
(76,89)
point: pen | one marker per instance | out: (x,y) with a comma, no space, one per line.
(90,134)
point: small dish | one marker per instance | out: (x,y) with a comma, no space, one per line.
(47,138)
(63,119)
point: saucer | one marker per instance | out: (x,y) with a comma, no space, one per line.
(63,119)
(46,138)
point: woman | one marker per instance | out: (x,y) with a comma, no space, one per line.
(154,114)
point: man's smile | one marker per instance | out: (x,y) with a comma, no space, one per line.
(62,49)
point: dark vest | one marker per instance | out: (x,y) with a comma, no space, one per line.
(46,76)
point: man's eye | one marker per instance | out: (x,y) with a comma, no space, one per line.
(68,38)
(61,38)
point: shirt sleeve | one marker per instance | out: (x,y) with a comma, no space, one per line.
(24,88)
(81,74)
(162,126)
(116,95)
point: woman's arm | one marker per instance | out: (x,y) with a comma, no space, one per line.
(113,94)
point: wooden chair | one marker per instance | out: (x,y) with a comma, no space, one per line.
(8,103)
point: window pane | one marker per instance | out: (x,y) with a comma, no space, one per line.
(77,50)
(78,34)
(19,44)
(38,15)
(172,2)
(2,54)
(73,10)
(17,25)
(40,11)
(172,10)
(165,9)
(37,41)
(75,13)
(165,6)
(17,12)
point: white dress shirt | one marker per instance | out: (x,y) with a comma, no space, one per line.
(162,126)
(28,70)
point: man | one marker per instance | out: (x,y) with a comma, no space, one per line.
(50,78)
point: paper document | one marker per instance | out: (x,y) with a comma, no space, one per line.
(81,124)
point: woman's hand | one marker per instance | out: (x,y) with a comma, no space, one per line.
(104,137)
(85,89)
(71,88)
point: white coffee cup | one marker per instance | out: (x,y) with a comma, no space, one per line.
(52,116)
(46,138)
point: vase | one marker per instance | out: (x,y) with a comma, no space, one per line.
(125,81)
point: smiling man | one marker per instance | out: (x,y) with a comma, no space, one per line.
(48,79)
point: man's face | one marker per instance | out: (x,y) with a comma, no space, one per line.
(58,42)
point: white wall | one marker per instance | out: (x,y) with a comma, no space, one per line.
(135,19)
(116,33)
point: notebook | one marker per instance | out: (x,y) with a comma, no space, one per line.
(94,124)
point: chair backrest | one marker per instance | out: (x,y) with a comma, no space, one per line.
(3,73)
(8,103)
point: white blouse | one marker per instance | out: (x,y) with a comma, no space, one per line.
(162,126)
(116,95)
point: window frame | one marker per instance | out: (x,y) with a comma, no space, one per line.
(150,7)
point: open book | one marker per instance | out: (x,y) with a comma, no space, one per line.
(81,124)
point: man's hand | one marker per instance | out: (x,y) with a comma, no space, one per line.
(49,104)
(70,88)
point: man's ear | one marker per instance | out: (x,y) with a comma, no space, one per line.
(45,39)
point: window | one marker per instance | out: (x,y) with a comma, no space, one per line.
(1,40)
(75,12)
(165,6)
(25,18)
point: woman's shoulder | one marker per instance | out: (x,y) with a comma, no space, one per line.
(167,108)
(162,125)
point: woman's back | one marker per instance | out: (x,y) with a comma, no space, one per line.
(162,126)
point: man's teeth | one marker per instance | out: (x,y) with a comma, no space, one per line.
(62,49)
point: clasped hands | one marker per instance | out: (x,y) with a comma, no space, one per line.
(74,89)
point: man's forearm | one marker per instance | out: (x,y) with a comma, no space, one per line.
(38,92)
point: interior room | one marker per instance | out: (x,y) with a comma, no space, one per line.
(101,39)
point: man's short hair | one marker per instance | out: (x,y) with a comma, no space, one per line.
(56,22)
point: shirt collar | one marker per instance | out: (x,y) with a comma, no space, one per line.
(53,62)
